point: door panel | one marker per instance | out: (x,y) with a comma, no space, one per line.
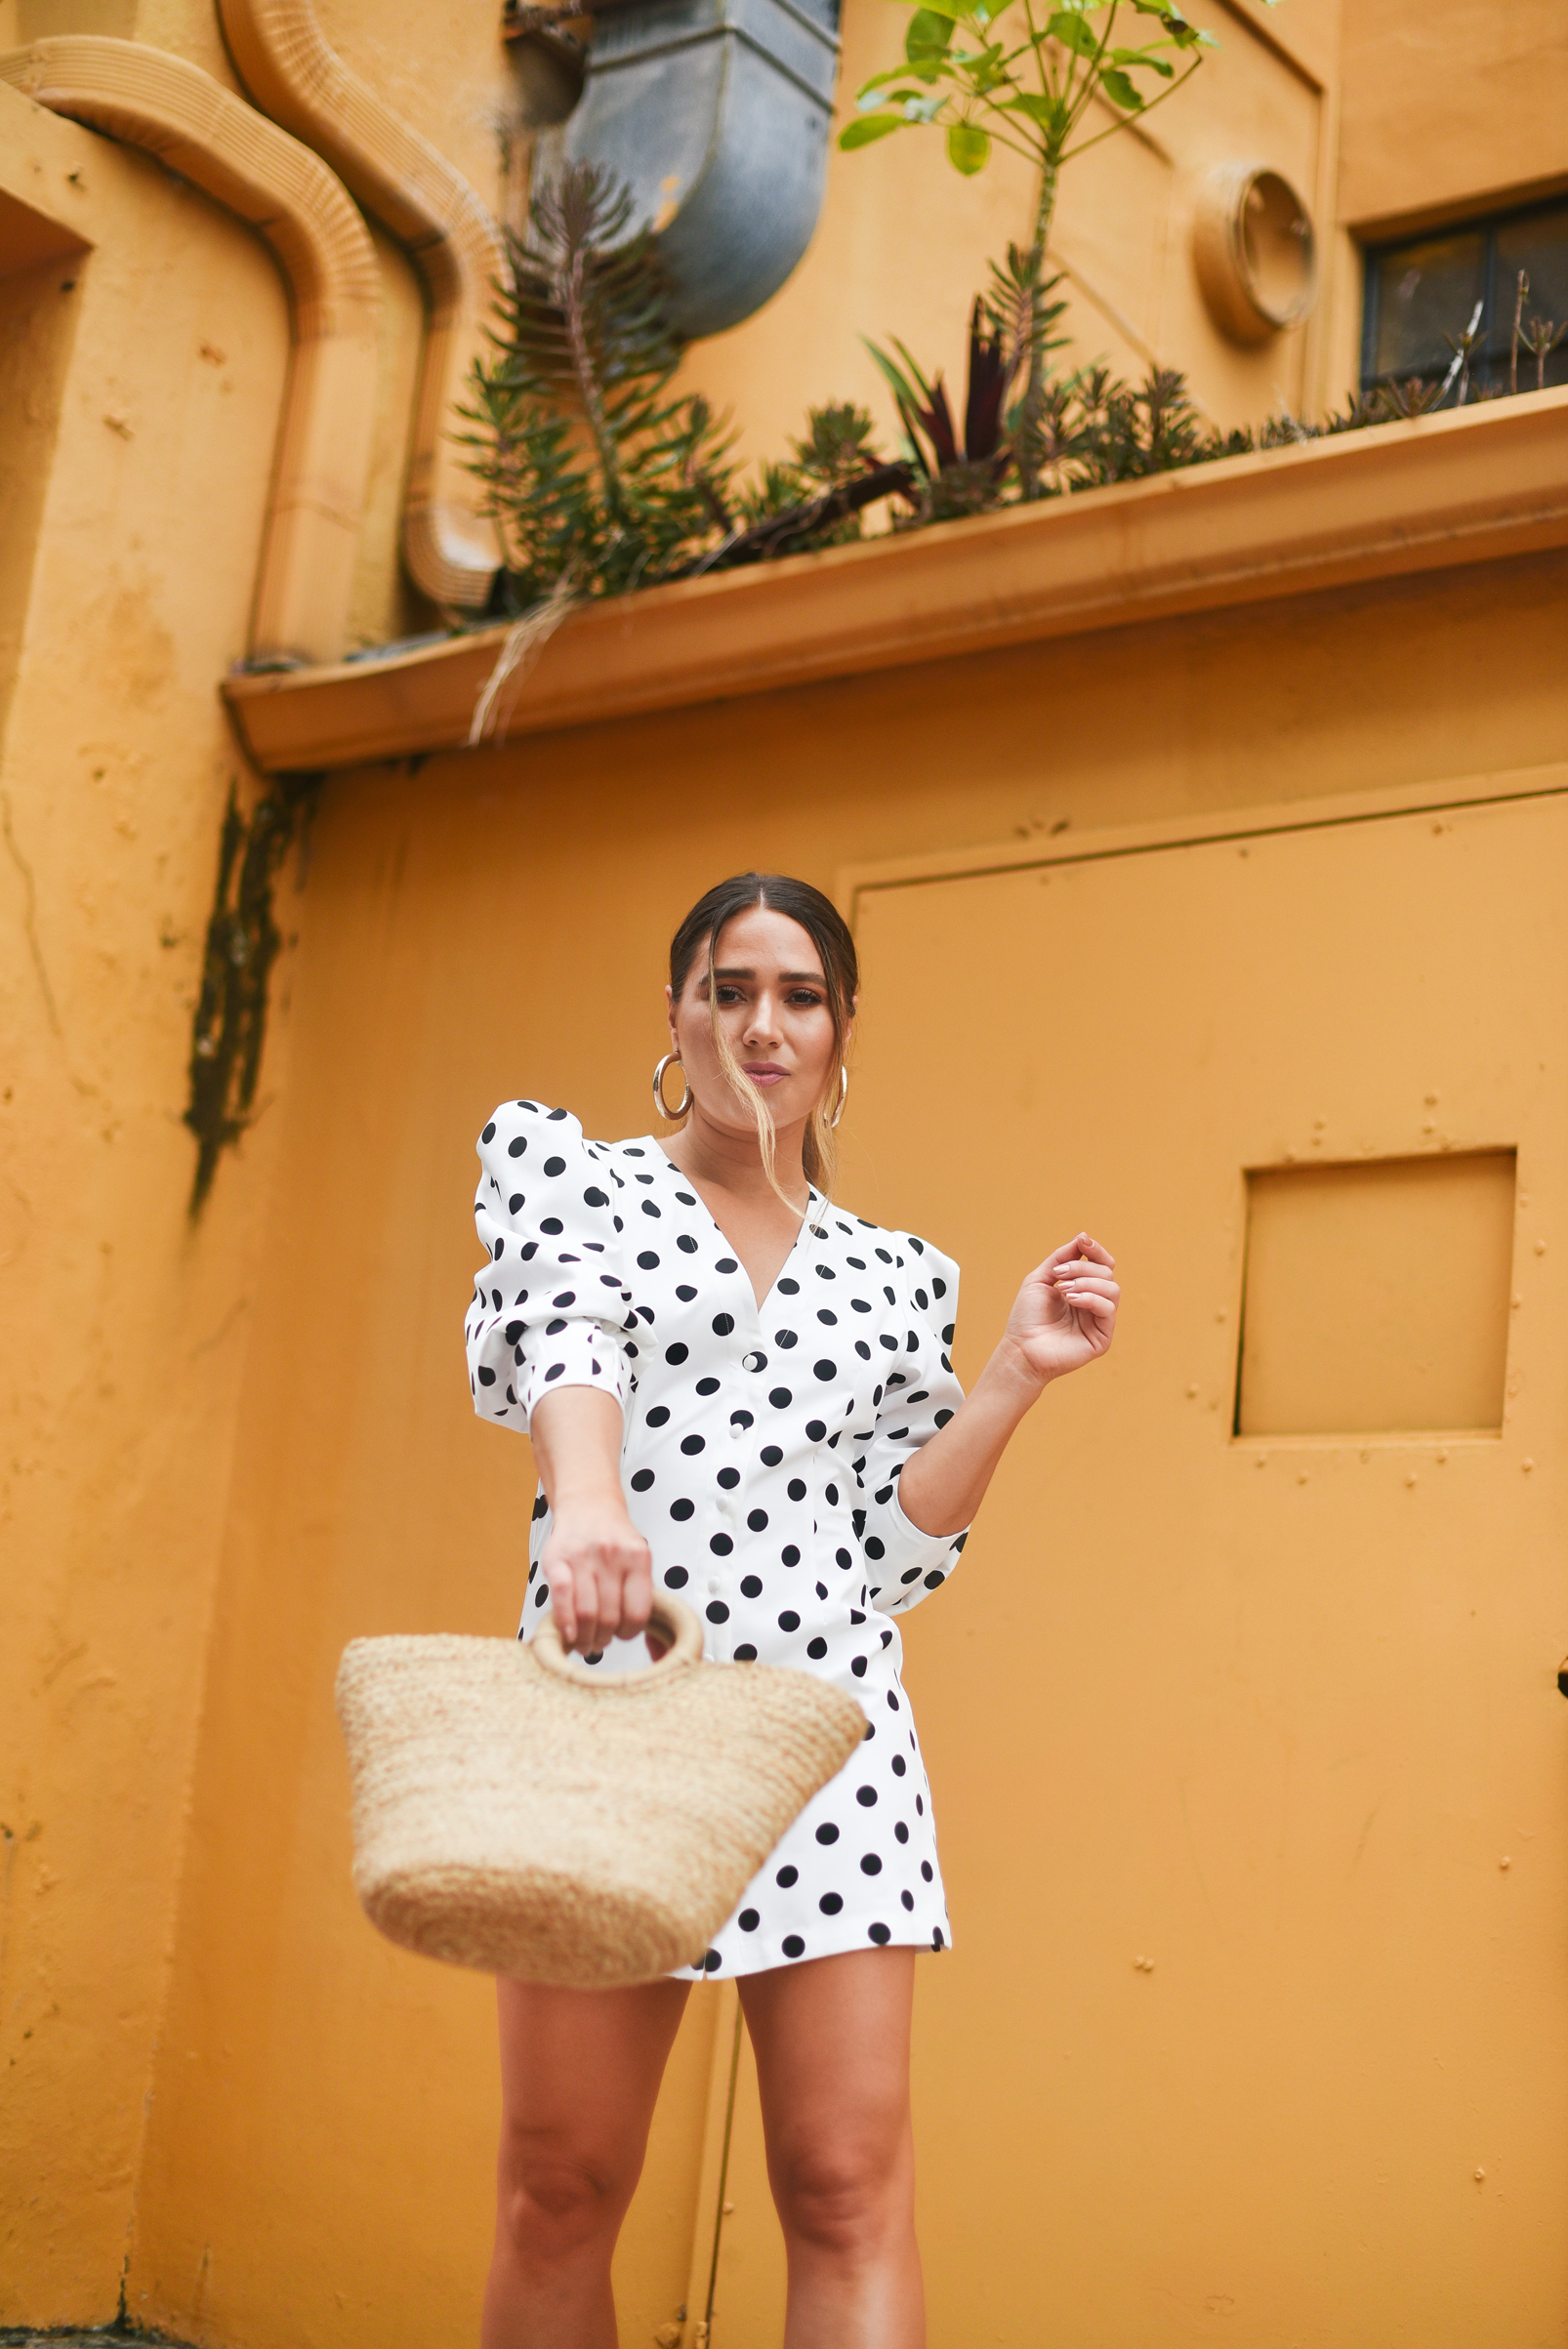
(1249,1763)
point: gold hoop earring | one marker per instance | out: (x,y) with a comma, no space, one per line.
(665,1111)
(843,1095)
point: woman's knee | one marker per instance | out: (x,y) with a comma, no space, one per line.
(554,2197)
(845,2198)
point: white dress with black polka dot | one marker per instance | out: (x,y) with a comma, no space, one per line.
(762,1458)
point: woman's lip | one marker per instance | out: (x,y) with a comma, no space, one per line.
(764,1072)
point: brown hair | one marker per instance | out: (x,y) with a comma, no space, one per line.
(830,934)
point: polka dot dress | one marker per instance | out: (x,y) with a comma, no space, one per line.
(761,1461)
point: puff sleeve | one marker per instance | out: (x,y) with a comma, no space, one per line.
(550,1308)
(921,1394)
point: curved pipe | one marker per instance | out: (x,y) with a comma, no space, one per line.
(213,139)
(286,64)
(715,113)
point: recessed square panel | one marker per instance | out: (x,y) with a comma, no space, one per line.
(1377,1296)
(28,237)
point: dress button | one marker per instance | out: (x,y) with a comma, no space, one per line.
(753,1361)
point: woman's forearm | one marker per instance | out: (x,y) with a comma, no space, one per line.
(596,1566)
(943,1484)
(1062,1317)
(576,1434)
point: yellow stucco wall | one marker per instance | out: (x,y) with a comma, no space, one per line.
(125,1331)
(442,966)
(229,1449)
(1474,91)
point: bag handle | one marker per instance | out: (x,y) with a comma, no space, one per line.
(671,1615)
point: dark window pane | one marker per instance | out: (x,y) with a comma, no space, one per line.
(1538,247)
(1423,292)
(1421,296)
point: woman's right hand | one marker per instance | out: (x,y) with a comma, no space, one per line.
(600,1574)
(599,1568)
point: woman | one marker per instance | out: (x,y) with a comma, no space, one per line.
(738,1388)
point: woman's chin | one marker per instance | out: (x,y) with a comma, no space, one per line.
(786,1106)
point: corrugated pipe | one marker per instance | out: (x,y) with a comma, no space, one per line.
(717,114)
(213,139)
(289,69)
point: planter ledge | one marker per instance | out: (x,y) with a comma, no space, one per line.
(1469,486)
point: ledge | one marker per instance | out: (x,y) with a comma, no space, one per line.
(1470,486)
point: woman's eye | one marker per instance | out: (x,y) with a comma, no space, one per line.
(728,994)
(805,996)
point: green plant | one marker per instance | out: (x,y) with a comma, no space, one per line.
(1086,429)
(956,473)
(837,447)
(1390,401)
(817,496)
(1125,431)
(1094,429)
(984,77)
(601,475)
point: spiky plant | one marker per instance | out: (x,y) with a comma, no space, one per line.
(817,497)
(1129,430)
(838,446)
(601,475)
(1009,331)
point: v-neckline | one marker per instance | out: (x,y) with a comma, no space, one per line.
(813,1203)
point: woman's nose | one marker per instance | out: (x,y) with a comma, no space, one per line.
(763,1025)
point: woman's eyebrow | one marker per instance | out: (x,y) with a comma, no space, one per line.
(787,979)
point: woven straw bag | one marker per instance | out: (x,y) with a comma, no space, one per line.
(515,1811)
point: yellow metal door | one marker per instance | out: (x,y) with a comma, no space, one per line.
(1248,1757)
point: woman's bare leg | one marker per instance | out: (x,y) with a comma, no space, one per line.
(832,2041)
(580,2070)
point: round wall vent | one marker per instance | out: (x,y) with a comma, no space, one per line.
(1253,244)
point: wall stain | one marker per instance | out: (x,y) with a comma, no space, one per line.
(230,1025)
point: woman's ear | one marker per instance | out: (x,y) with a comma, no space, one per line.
(668,1013)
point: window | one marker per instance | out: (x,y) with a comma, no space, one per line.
(1423,295)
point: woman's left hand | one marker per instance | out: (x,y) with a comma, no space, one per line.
(1065,1313)
(1063,1316)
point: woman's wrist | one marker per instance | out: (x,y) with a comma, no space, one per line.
(1012,1377)
(588,1499)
